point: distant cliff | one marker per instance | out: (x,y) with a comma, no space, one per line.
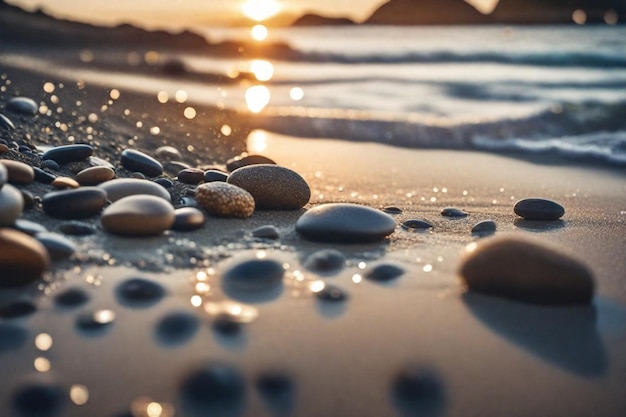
(556,11)
(426,12)
(310,19)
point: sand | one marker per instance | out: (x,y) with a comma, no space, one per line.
(490,357)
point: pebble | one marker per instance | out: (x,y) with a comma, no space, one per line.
(139,293)
(177,328)
(214,384)
(95,175)
(392,210)
(76,228)
(245,160)
(42,176)
(187,219)
(325,261)
(6,123)
(527,271)
(193,176)
(63,183)
(17,309)
(419,391)
(538,209)
(4,175)
(29,199)
(164,182)
(168,153)
(125,187)
(94,161)
(225,200)
(485,227)
(138,215)
(71,298)
(58,246)
(39,400)
(254,275)
(28,227)
(50,164)
(384,272)
(22,105)
(416,224)
(266,232)
(136,161)
(213,175)
(11,205)
(331,293)
(22,258)
(68,153)
(454,212)
(18,172)
(174,167)
(3,148)
(345,223)
(72,204)
(273,187)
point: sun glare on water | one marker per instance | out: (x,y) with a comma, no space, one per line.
(260,10)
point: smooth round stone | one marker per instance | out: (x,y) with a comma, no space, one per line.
(134,160)
(68,153)
(50,164)
(384,272)
(538,209)
(11,205)
(22,105)
(94,161)
(331,293)
(79,203)
(213,175)
(139,215)
(345,223)
(125,187)
(63,183)
(71,298)
(19,172)
(225,200)
(139,293)
(191,176)
(76,228)
(58,246)
(214,384)
(6,123)
(39,400)
(453,212)
(175,329)
(168,153)
(188,218)
(22,258)
(246,160)
(42,176)
(4,148)
(416,224)
(254,275)
(266,232)
(392,210)
(273,187)
(484,227)
(164,182)
(4,175)
(17,309)
(325,261)
(95,175)
(526,271)
(29,227)
(174,167)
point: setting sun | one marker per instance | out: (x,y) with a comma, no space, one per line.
(260,10)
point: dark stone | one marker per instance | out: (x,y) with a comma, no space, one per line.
(164,182)
(76,228)
(17,309)
(29,199)
(191,176)
(175,329)
(418,392)
(68,153)
(50,164)
(39,400)
(139,293)
(486,227)
(392,210)
(136,161)
(254,274)
(79,203)
(266,232)
(43,176)
(331,293)
(245,160)
(22,105)
(71,298)
(345,223)
(225,325)
(58,247)
(454,212)
(91,323)
(29,227)
(12,337)
(174,167)
(325,261)
(187,219)
(214,384)
(213,175)
(278,391)
(384,272)
(538,209)
(6,123)
(416,224)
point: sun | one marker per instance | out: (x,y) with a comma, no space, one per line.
(260,10)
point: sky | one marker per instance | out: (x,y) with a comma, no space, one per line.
(178,13)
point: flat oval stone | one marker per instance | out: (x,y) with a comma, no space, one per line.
(58,246)
(164,182)
(50,164)
(63,183)
(68,153)
(17,309)
(42,176)
(191,176)
(42,400)
(384,272)
(325,261)
(139,215)
(254,274)
(526,271)
(4,175)
(188,218)
(6,123)
(331,293)
(453,212)
(22,105)
(22,258)
(212,385)
(18,172)
(266,232)
(484,228)
(225,200)
(416,224)
(392,210)
(125,187)
(29,227)
(174,167)
(168,153)
(76,228)
(538,209)
(95,175)
(345,223)
(79,203)
(177,328)
(245,160)
(71,298)
(214,175)
(11,205)
(273,187)
(139,293)
(134,160)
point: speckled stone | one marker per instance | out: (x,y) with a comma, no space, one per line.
(212,175)
(191,176)
(538,209)
(58,246)
(453,212)
(95,175)
(139,215)
(11,205)
(22,105)
(345,223)
(22,258)
(79,203)
(225,200)
(68,153)
(273,187)
(6,123)
(526,270)
(485,227)
(187,219)
(125,187)
(168,153)
(18,172)
(62,183)
(246,160)
(136,161)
